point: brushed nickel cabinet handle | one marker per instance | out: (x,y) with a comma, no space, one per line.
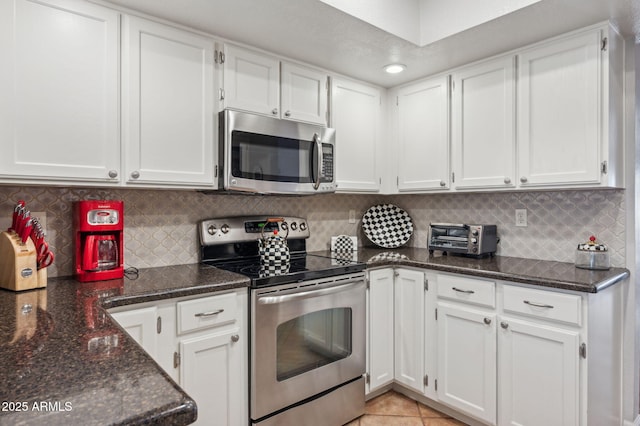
(463,291)
(235,338)
(487,321)
(523,179)
(538,305)
(504,325)
(209,314)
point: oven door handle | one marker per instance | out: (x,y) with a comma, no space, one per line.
(272,300)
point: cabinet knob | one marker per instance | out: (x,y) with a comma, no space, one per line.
(135,174)
(523,179)
(507,180)
(287,114)
(113,174)
(504,325)
(487,321)
(235,338)
(274,111)
(443,183)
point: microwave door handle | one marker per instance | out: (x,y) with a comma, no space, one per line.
(318,148)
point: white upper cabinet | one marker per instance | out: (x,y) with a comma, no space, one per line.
(303,94)
(167,97)
(423,135)
(569,111)
(59,83)
(356,115)
(255,82)
(251,81)
(483,125)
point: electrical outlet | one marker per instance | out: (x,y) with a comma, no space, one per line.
(352,216)
(521,217)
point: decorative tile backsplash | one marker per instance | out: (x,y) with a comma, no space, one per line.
(160,225)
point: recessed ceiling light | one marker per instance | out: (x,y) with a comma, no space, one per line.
(395,68)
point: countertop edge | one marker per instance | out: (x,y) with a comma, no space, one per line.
(522,279)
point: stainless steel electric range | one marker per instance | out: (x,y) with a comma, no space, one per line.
(306,323)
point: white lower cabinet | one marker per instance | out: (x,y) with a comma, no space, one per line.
(500,353)
(379,329)
(467,345)
(539,374)
(409,328)
(141,324)
(201,342)
(401,330)
(467,360)
(209,372)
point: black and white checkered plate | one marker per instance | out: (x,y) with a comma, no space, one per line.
(387,225)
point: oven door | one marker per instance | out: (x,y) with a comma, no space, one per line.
(269,155)
(305,339)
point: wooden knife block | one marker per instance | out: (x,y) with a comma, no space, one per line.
(18,267)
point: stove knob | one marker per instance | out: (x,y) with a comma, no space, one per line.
(225,228)
(211,229)
(474,241)
(474,232)
(303,226)
(284,226)
(294,226)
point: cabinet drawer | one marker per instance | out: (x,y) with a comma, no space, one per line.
(467,290)
(543,304)
(206,312)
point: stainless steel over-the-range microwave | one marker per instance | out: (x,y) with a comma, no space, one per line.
(268,155)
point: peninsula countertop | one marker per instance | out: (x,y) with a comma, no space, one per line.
(65,361)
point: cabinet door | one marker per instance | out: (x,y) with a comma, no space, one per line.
(467,360)
(423,135)
(251,81)
(141,325)
(559,112)
(304,94)
(355,114)
(59,83)
(212,373)
(539,374)
(167,104)
(483,123)
(409,328)
(380,328)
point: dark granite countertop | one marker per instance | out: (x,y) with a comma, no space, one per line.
(66,362)
(559,275)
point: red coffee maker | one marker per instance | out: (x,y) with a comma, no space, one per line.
(99,229)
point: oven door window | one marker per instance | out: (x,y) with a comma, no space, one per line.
(270,158)
(313,340)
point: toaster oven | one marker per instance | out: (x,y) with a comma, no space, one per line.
(463,239)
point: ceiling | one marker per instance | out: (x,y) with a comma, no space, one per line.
(316,33)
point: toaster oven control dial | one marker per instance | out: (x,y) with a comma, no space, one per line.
(474,241)
(212,229)
(225,228)
(293,226)
(474,232)
(303,226)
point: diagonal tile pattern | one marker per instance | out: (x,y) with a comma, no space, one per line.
(394,409)
(160,225)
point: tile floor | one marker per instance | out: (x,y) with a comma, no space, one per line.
(394,409)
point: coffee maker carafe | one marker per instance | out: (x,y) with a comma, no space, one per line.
(99,230)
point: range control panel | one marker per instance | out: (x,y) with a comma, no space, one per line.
(242,229)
